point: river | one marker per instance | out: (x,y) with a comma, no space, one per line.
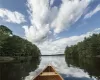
(69,69)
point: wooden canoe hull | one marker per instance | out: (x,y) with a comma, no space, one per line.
(49,73)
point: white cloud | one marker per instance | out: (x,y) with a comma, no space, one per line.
(48,21)
(39,11)
(51,2)
(37,35)
(11,16)
(69,12)
(88,15)
(58,46)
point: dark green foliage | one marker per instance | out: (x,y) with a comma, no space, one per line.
(12,45)
(4,33)
(89,47)
(5,30)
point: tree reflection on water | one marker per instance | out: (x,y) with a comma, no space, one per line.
(90,65)
(18,70)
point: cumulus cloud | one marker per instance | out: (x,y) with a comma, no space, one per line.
(40,18)
(89,15)
(37,35)
(50,20)
(11,16)
(69,12)
(58,46)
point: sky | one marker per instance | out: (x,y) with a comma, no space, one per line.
(51,24)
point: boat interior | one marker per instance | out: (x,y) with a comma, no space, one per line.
(48,74)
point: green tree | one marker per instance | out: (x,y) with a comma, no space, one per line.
(4,34)
(16,46)
(89,47)
(12,45)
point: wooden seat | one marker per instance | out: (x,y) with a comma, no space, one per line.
(48,74)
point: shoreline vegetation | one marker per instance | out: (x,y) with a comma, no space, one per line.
(6,59)
(54,55)
(16,58)
(13,47)
(88,48)
(21,58)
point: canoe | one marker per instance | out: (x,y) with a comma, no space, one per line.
(49,73)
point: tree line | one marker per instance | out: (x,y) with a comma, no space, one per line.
(13,45)
(89,47)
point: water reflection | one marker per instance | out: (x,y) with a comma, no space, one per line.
(67,71)
(70,69)
(89,65)
(18,70)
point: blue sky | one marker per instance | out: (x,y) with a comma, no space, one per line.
(50,20)
(15,5)
(78,28)
(82,26)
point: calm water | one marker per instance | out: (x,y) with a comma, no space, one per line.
(70,69)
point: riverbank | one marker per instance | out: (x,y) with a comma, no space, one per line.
(54,55)
(15,58)
(6,59)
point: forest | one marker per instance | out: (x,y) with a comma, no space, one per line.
(89,47)
(15,46)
